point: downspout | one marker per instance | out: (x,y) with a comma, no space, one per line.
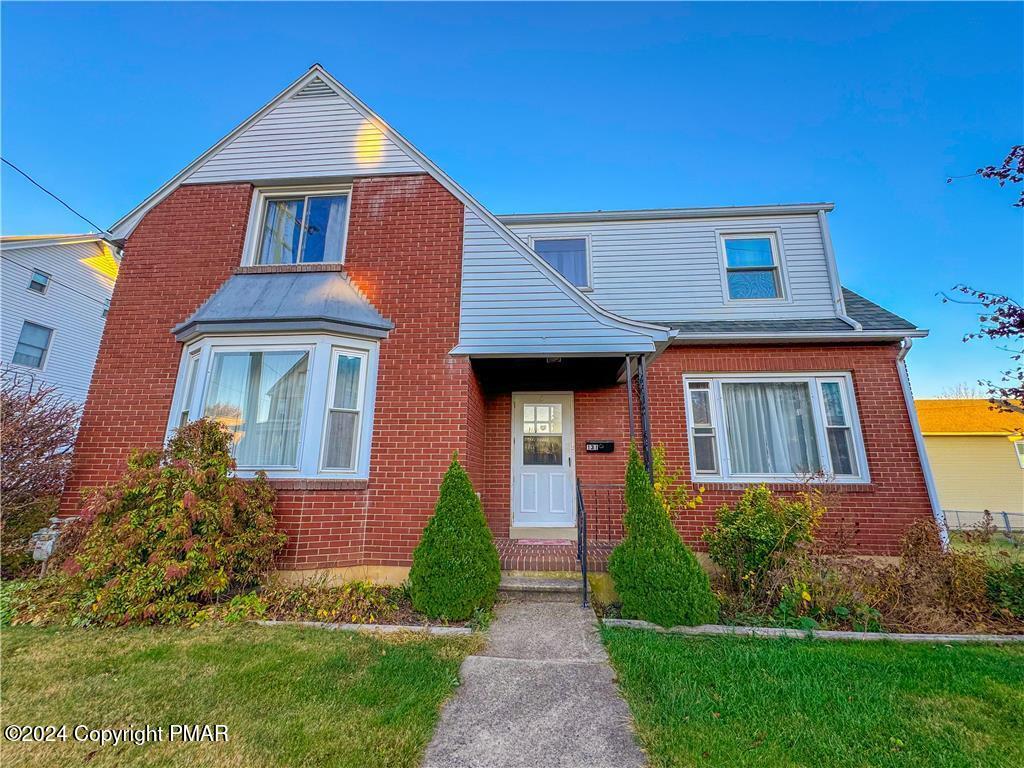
(833,273)
(926,468)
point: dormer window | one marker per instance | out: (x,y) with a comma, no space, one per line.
(752,267)
(570,257)
(298,226)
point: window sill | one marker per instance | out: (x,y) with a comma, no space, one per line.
(316,484)
(263,269)
(784,486)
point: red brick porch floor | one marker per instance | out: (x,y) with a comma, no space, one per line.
(531,555)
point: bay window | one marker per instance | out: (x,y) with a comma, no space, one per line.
(295,406)
(774,428)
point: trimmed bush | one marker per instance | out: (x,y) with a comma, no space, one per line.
(177,532)
(656,575)
(753,535)
(455,567)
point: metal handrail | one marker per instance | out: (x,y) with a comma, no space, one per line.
(581,538)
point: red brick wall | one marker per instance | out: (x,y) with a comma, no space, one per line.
(404,253)
(877,513)
(176,258)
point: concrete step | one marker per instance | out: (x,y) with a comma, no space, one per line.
(540,588)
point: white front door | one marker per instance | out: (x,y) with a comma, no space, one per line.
(543,477)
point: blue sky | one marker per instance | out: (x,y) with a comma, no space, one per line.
(575,107)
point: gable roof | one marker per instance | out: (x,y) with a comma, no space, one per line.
(966,417)
(318,78)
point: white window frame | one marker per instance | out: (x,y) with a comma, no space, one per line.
(258,209)
(32,281)
(775,238)
(1018,449)
(585,237)
(46,352)
(336,352)
(322,349)
(814,380)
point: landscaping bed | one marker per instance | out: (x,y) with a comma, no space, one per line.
(288,696)
(727,701)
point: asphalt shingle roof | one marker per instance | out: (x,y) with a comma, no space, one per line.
(871,316)
(966,416)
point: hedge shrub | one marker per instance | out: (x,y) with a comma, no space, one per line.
(1005,586)
(178,531)
(752,535)
(455,567)
(656,575)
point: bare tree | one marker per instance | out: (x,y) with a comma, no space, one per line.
(37,434)
(962,391)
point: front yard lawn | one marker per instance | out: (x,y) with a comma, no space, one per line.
(288,696)
(773,702)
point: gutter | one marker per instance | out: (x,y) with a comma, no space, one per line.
(658,214)
(926,468)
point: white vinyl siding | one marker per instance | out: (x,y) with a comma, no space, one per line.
(314,134)
(672,270)
(72,305)
(510,306)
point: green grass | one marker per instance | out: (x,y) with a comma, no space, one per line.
(289,696)
(997,549)
(774,702)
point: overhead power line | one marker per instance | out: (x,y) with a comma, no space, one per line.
(86,219)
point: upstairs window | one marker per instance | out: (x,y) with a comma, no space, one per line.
(1019,448)
(569,256)
(299,227)
(33,344)
(752,268)
(40,281)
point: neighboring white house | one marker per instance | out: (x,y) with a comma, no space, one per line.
(56,291)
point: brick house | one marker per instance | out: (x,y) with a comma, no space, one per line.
(354,316)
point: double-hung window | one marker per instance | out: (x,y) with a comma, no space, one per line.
(39,281)
(292,226)
(753,268)
(295,406)
(569,256)
(33,345)
(774,428)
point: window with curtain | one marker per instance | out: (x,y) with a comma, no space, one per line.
(296,406)
(783,427)
(303,229)
(33,344)
(568,255)
(752,267)
(259,397)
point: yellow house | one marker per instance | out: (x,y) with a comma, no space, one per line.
(977,459)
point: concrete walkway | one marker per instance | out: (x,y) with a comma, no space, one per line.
(541,695)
